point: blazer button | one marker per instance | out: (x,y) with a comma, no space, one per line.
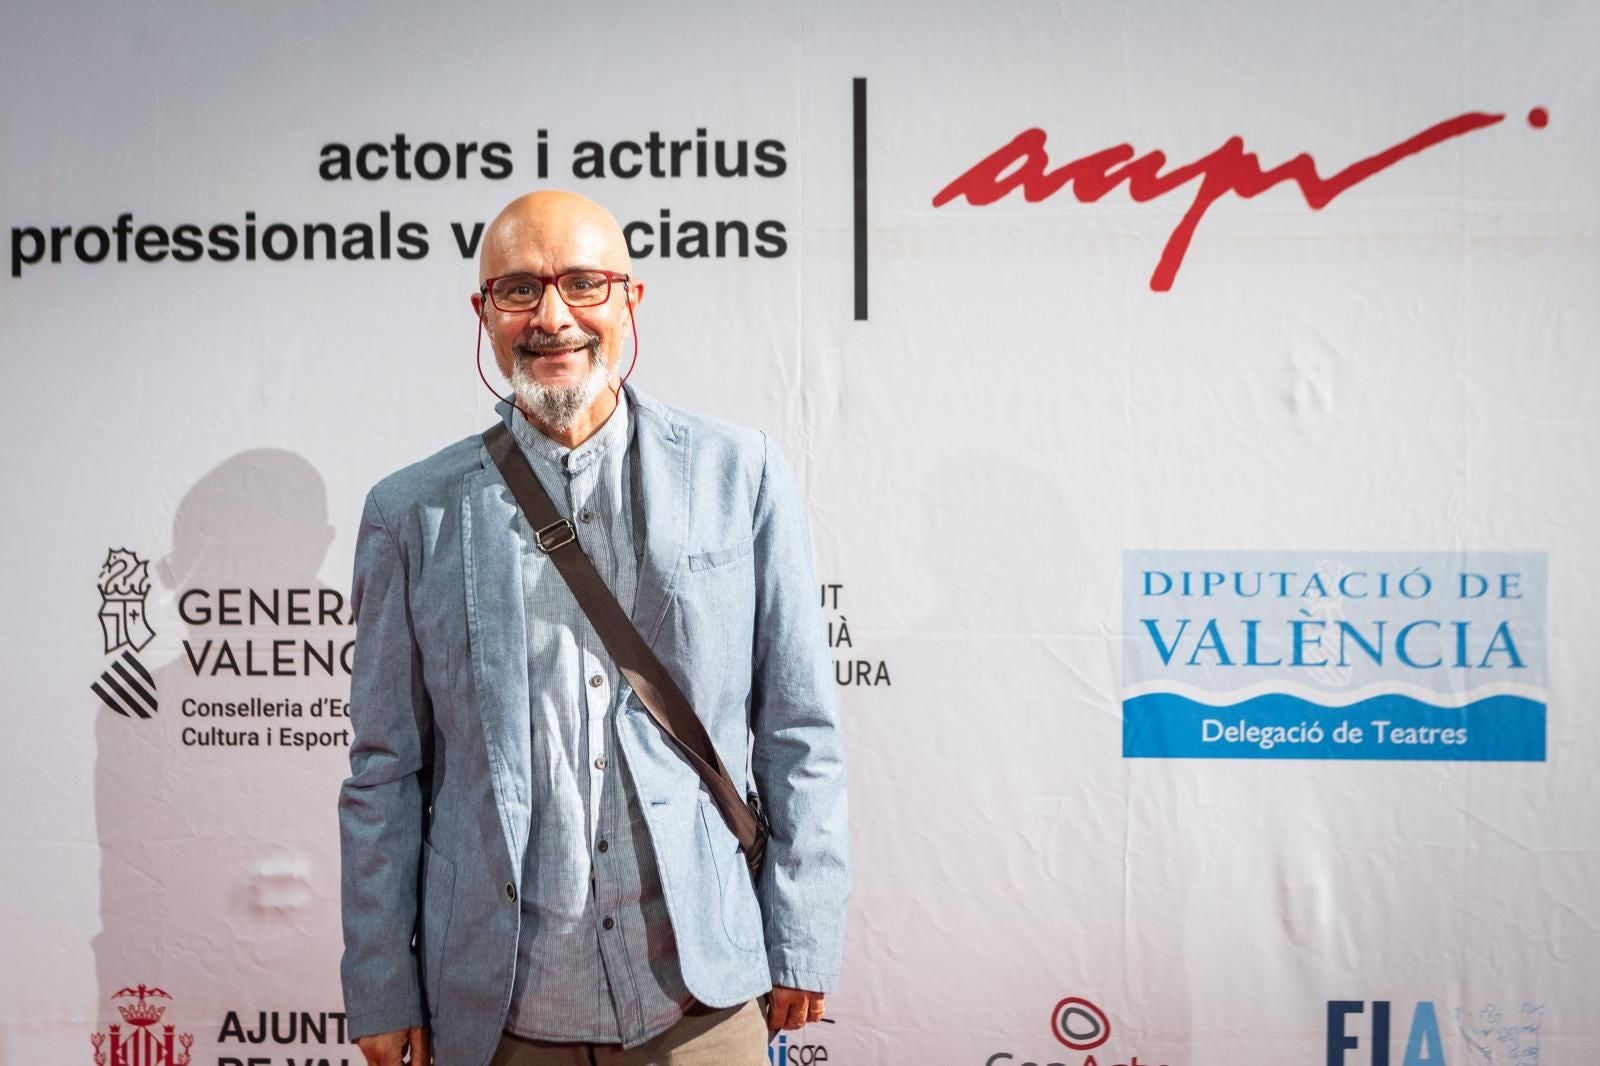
(511,892)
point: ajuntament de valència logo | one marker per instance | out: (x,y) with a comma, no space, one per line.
(1334,655)
(125,686)
(144,1041)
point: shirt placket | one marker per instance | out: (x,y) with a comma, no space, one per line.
(597,981)
(599,686)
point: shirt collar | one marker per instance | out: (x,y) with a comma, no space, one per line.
(572,460)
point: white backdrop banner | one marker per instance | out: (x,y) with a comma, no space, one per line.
(1194,405)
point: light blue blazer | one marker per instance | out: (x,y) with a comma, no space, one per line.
(434,818)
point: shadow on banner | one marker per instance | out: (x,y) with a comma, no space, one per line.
(218,842)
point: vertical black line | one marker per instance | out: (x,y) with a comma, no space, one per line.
(858,124)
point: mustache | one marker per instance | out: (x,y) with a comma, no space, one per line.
(559,342)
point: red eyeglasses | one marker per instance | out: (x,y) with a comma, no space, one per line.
(578,288)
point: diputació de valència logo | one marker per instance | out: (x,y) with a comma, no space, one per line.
(1334,655)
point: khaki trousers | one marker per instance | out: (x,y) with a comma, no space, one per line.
(734,1036)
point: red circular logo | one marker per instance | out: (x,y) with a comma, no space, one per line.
(1079,1024)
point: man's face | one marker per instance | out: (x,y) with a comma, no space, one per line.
(555,349)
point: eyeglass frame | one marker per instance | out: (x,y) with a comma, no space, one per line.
(551,281)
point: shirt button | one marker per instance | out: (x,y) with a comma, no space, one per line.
(603,846)
(511,892)
(596,681)
(586,515)
(600,763)
(608,923)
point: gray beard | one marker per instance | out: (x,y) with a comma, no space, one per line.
(558,407)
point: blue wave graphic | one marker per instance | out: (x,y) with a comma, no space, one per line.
(1164,725)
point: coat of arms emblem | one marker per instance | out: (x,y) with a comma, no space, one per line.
(143,1042)
(126,686)
(124,582)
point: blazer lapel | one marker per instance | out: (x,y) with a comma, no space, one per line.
(663,490)
(492,546)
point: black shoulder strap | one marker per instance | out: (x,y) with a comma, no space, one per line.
(557,538)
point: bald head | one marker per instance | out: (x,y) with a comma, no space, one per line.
(550,232)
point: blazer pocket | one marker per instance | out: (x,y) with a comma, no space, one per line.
(438,888)
(741,914)
(721,556)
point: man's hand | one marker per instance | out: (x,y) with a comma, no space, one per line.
(790,1008)
(387,1049)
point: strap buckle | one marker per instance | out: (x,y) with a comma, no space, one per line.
(560,528)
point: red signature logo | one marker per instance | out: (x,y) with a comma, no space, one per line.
(1022,163)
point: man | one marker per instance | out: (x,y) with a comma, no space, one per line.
(574,894)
